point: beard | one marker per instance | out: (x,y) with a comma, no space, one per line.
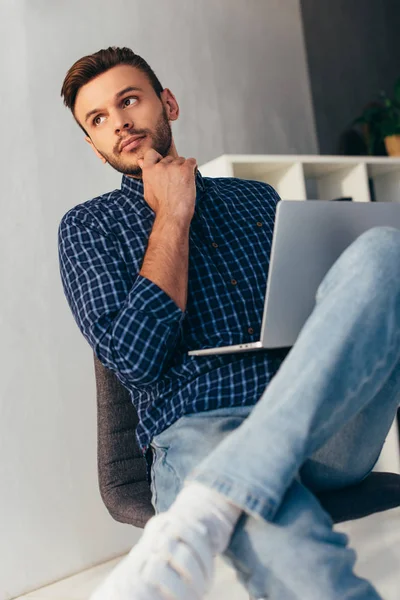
(161,141)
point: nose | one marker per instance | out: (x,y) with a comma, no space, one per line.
(122,121)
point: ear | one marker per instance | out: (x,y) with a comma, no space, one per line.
(170,104)
(97,153)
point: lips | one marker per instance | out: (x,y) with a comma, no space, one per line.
(131,142)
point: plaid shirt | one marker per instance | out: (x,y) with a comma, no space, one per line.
(137,330)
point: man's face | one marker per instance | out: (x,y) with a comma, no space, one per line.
(133,113)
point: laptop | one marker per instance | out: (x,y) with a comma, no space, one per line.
(308,238)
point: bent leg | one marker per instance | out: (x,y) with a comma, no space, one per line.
(346,352)
(294,557)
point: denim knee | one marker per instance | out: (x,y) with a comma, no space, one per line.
(382,243)
(378,250)
(372,259)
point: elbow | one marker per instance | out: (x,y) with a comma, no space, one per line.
(143,375)
(135,359)
(133,368)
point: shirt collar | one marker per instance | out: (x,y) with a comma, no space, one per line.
(133,189)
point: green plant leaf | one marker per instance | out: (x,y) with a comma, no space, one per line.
(380,119)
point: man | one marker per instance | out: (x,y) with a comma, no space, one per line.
(174,261)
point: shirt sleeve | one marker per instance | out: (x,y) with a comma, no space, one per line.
(272,193)
(131,323)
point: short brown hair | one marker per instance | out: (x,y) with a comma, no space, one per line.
(88,67)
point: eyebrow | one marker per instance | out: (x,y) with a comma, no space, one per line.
(130,88)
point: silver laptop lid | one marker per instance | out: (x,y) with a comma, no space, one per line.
(309,236)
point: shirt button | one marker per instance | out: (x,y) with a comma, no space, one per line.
(259,224)
(250,330)
(233,281)
(214,245)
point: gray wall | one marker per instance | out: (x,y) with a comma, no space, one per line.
(353,52)
(238,70)
(259,75)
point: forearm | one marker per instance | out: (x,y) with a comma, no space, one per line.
(167,256)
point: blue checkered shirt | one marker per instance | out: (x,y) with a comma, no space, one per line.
(137,330)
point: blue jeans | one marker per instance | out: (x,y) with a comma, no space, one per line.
(320,424)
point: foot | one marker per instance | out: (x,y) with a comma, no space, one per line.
(174,559)
(171,561)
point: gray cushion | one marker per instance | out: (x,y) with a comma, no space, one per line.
(122,470)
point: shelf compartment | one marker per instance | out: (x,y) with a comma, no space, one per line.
(286,178)
(385,182)
(328,181)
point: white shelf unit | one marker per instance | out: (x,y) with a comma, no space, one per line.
(307,177)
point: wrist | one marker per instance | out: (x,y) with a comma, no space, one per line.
(168,222)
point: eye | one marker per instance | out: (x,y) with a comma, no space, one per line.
(130,98)
(125,99)
(95,119)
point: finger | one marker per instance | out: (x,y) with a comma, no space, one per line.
(151,157)
(167,159)
(193,163)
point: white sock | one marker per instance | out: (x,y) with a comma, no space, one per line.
(173,560)
(198,502)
